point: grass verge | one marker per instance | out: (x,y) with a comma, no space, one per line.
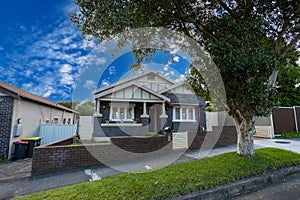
(288,135)
(178,179)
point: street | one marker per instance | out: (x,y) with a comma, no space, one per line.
(288,189)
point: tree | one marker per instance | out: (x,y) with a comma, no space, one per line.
(86,108)
(288,86)
(248,41)
(69,104)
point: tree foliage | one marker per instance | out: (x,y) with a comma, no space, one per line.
(247,40)
(86,108)
(288,86)
(69,104)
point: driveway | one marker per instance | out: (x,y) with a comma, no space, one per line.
(287,144)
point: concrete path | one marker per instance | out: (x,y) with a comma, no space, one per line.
(16,178)
(287,144)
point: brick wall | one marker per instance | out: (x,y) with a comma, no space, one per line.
(134,144)
(6,114)
(53,158)
(228,136)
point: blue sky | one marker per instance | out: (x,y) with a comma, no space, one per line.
(41,51)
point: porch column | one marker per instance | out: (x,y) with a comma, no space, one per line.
(144,116)
(97,109)
(163,112)
(145,111)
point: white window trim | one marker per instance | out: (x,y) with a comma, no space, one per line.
(180,115)
(126,107)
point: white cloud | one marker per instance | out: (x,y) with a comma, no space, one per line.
(176,59)
(1,48)
(112,70)
(90,84)
(66,68)
(27,86)
(104,83)
(101,60)
(47,94)
(67,79)
(181,78)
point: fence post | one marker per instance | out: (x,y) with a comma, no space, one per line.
(295,117)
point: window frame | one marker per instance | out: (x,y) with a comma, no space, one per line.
(187,110)
(126,110)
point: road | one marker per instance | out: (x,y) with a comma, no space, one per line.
(288,189)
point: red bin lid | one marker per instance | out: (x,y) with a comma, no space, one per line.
(20,142)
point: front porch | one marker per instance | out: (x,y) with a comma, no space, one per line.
(133,118)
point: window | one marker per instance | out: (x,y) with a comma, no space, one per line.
(55,120)
(121,113)
(184,114)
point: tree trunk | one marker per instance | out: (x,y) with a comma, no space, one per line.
(245,131)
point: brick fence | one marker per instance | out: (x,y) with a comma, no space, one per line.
(53,158)
(228,136)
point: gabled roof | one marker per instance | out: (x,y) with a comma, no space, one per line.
(132,83)
(172,87)
(22,94)
(121,82)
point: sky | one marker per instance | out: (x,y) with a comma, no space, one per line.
(43,52)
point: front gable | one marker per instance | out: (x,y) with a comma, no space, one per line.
(131,92)
(151,80)
(179,88)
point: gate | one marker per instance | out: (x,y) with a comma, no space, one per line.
(180,141)
(286,119)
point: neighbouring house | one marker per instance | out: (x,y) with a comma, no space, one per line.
(22,113)
(146,104)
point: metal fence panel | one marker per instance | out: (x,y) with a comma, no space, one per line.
(55,132)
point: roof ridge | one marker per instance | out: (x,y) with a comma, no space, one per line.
(29,95)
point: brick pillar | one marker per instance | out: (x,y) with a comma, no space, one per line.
(6,110)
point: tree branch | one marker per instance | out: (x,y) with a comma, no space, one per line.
(280,36)
(289,46)
(198,25)
(228,9)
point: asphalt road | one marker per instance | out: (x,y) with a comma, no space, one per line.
(287,189)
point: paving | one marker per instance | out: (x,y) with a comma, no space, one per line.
(16,178)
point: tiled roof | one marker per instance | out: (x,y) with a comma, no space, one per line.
(17,92)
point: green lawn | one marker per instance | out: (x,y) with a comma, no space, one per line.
(288,135)
(176,179)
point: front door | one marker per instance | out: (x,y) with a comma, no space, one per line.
(155,122)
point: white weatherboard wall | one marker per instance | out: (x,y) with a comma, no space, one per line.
(55,132)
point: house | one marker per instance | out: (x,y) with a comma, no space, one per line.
(145,104)
(21,114)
